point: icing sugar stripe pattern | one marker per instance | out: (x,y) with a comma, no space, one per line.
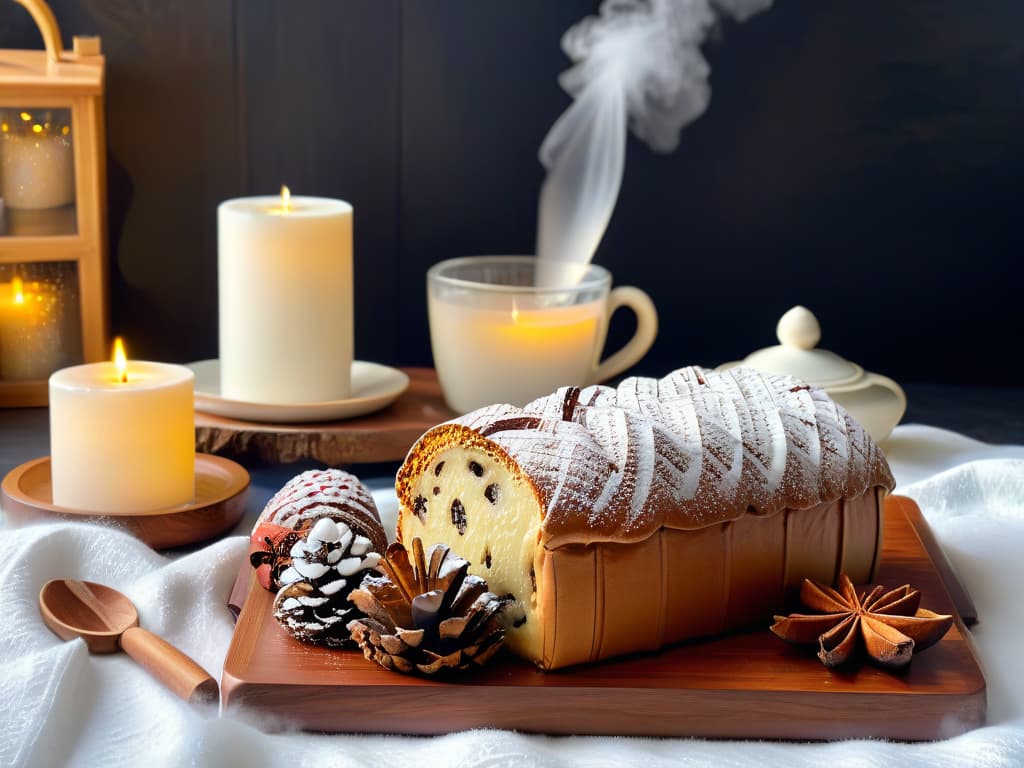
(299,498)
(692,449)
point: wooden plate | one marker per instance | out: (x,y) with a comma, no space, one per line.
(221,486)
(745,685)
(383,436)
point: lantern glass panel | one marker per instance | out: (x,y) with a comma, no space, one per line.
(40,326)
(37,173)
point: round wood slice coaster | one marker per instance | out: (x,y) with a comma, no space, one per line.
(383,436)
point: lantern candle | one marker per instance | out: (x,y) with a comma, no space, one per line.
(30,337)
(43,222)
(122,437)
(285,293)
(38,162)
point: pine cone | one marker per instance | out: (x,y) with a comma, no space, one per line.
(325,567)
(427,615)
(295,509)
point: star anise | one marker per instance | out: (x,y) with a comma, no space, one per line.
(889,625)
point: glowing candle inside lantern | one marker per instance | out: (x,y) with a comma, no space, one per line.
(38,165)
(30,334)
(285,298)
(122,438)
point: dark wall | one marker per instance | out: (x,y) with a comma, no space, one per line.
(859,156)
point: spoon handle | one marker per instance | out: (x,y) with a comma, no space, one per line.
(170,666)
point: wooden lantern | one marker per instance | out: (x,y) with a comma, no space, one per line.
(53,304)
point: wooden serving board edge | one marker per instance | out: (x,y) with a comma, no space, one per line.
(349,694)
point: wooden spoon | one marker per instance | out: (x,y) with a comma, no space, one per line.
(108,622)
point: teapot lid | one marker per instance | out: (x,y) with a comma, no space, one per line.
(798,332)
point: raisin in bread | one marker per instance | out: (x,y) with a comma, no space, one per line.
(625,519)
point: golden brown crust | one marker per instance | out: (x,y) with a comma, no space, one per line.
(607,599)
(691,450)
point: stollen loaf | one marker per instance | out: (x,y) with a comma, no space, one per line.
(624,519)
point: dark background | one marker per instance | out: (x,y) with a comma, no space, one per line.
(860,157)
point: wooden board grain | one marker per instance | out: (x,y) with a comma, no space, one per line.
(744,685)
(383,436)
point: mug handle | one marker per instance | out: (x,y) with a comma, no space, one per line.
(646,331)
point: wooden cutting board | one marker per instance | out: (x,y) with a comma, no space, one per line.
(745,685)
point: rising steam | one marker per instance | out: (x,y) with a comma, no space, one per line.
(637,63)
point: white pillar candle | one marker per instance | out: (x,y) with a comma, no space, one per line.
(38,171)
(122,442)
(30,330)
(285,292)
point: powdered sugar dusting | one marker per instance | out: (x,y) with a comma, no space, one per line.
(299,498)
(764,447)
(692,449)
(326,493)
(313,600)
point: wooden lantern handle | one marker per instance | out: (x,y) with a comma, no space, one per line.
(47,23)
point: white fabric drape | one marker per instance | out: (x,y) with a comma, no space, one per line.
(62,706)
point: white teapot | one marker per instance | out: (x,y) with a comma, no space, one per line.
(876,401)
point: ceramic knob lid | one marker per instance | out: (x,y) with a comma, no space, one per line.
(798,328)
(799,332)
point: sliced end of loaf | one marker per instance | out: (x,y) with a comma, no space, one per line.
(462,490)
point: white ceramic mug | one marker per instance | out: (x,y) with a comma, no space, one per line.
(499,337)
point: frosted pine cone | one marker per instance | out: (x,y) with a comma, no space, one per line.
(427,615)
(296,508)
(313,602)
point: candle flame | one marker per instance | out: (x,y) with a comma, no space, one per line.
(515,313)
(120,360)
(19,293)
(286,203)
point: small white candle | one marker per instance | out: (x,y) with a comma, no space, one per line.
(122,438)
(38,168)
(30,336)
(285,293)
